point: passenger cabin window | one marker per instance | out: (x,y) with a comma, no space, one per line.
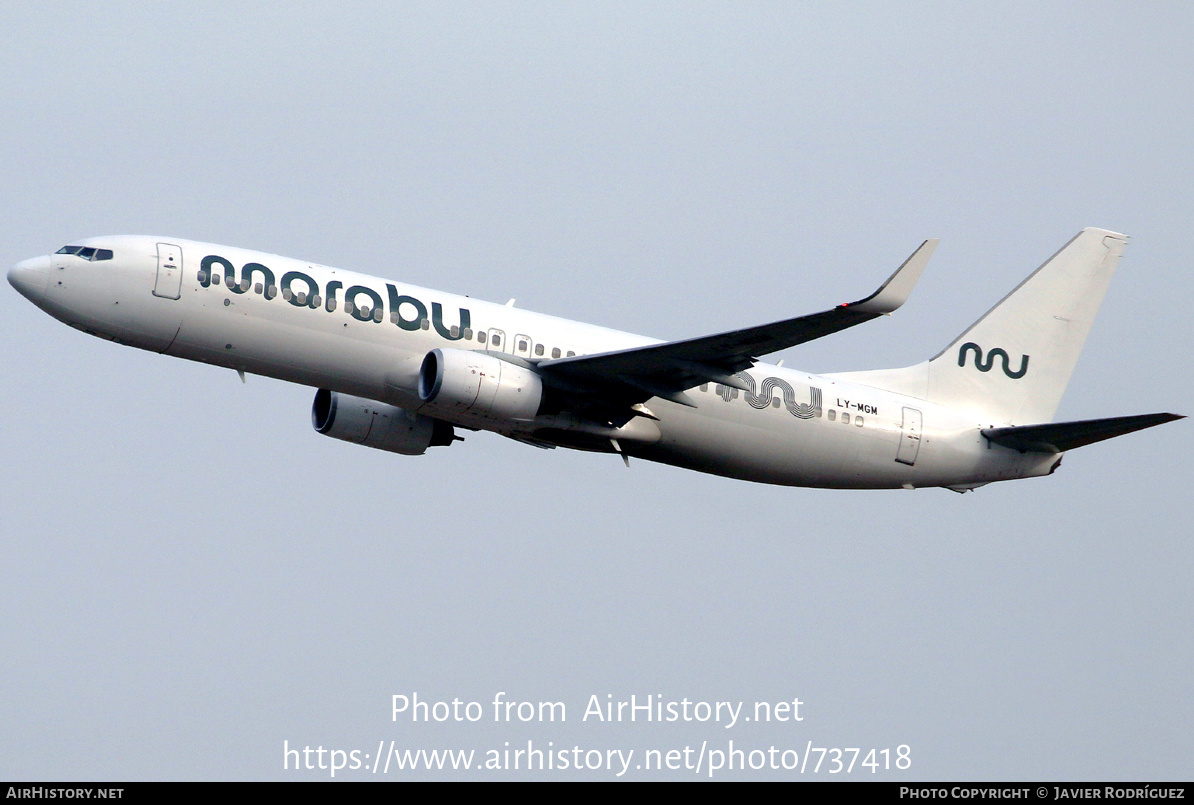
(480,338)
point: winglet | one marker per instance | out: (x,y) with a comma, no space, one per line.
(898,287)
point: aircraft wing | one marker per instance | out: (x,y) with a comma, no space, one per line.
(666,370)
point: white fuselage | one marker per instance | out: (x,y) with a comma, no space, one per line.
(366,336)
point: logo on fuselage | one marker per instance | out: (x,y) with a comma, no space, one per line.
(766,396)
(301,290)
(986,367)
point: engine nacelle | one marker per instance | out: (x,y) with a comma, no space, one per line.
(458,383)
(375,424)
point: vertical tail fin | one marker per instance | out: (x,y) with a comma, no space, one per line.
(1013,364)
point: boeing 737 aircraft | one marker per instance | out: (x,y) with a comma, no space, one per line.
(401,368)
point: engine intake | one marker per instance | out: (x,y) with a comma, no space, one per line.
(459,383)
(375,424)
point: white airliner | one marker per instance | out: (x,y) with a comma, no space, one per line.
(399,368)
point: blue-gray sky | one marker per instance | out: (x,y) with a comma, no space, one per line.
(190,576)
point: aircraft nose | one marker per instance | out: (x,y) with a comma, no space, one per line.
(30,277)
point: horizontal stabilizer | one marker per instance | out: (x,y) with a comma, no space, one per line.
(1058,437)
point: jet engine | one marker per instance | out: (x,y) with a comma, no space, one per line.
(375,424)
(459,383)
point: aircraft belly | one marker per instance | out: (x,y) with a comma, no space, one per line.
(770,446)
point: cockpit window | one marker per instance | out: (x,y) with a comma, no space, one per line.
(87,252)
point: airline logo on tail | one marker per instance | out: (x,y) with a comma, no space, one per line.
(986,367)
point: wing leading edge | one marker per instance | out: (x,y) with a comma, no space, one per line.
(667,370)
